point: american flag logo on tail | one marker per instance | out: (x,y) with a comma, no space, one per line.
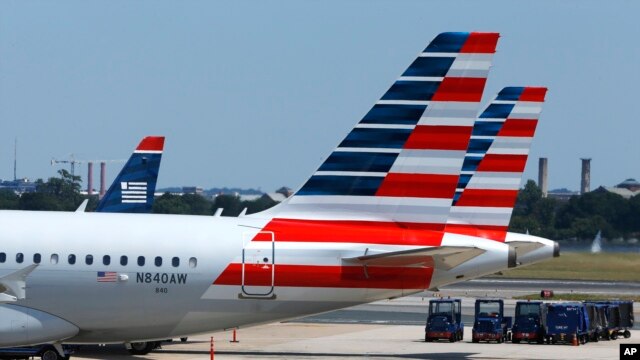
(134,192)
(107,276)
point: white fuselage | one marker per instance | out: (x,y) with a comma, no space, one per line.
(160,301)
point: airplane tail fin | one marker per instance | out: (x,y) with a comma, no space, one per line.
(496,157)
(133,190)
(401,162)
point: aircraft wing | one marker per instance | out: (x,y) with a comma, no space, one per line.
(12,286)
(442,257)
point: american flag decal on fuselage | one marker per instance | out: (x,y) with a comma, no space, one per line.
(107,276)
(134,192)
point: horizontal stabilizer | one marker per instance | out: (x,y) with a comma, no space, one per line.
(524,247)
(12,286)
(442,257)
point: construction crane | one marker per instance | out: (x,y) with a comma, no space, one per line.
(72,161)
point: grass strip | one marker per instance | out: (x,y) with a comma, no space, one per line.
(583,266)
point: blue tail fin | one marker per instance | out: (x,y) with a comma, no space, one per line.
(133,190)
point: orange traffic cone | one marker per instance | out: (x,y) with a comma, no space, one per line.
(574,340)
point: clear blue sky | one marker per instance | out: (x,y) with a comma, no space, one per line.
(257,93)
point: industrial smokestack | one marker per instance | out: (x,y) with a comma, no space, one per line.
(90,178)
(103,178)
(585,179)
(543,172)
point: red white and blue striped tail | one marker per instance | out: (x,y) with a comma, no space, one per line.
(402,161)
(494,163)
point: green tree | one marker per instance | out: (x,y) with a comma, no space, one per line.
(197,204)
(231,205)
(9,200)
(170,204)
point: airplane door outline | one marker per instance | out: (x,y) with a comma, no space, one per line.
(258,266)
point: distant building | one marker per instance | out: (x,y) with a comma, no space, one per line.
(192,190)
(249,197)
(563,194)
(276,196)
(631,184)
(627,189)
(285,191)
(19,186)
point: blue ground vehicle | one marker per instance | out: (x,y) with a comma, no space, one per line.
(444,321)
(611,321)
(625,309)
(45,352)
(489,323)
(598,323)
(528,324)
(566,321)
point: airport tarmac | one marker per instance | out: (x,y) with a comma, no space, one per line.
(387,329)
(351,341)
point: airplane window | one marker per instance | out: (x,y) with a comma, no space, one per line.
(193,262)
(158,261)
(106,260)
(19,258)
(37,258)
(71,259)
(54,259)
(140,260)
(3,257)
(88,259)
(175,261)
(123,260)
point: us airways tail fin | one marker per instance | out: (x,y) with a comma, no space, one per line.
(401,162)
(133,190)
(494,163)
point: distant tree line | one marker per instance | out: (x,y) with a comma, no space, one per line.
(580,217)
(193,204)
(63,194)
(56,194)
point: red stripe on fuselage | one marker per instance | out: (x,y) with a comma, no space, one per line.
(367,232)
(460,89)
(488,198)
(439,137)
(415,278)
(418,185)
(518,128)
(503,163)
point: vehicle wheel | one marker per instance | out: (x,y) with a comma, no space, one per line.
(427,339)
(452,338)
(614,336)
(627,334)
(515,341)
(460,336)
(50,353)
(596,338)
(141,348)
(474,340)
(184,339)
